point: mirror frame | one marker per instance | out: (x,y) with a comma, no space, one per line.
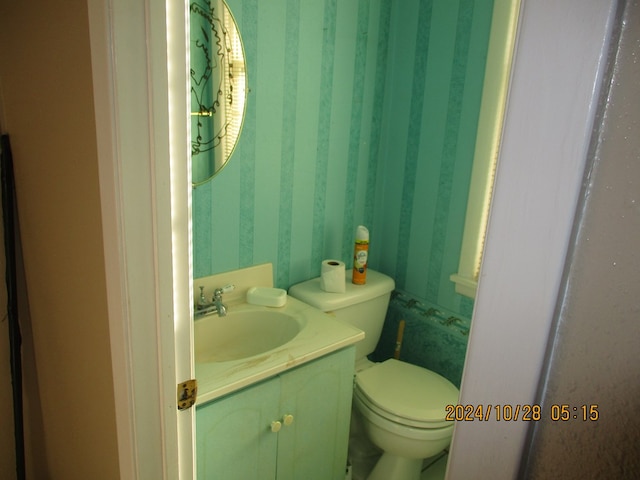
(219,139)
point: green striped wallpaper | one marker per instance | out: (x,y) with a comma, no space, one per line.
(359,112)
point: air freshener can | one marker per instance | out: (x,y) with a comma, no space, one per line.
(360,256)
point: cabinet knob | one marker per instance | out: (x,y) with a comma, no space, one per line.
(276,426)
(287,420)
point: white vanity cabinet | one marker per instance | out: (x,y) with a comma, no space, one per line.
(292,426)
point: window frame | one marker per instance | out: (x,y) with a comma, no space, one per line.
(502,41)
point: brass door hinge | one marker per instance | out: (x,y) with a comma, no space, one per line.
(187,392)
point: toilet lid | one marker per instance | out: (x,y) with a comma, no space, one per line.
(408,392)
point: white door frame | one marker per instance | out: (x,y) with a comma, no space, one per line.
(558,66)
(139,61)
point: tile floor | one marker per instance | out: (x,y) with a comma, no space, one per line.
(436,470)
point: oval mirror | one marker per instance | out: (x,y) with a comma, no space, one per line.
(218,87)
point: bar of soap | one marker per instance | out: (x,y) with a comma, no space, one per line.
(266,296)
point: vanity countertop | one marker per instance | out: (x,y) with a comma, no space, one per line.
(322,334)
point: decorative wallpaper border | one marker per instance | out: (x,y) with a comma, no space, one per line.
(433,338)
(447,320)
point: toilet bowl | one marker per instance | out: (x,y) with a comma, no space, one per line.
(401,406)
(402,409)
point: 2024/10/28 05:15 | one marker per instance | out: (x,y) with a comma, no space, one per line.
(525,412)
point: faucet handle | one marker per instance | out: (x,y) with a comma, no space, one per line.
(226,289)
(202,301)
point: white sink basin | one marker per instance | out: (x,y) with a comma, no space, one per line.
(242,334)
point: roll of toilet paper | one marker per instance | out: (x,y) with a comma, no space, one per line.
(332,276)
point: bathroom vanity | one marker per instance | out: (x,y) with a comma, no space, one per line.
(294,425)
(279,414)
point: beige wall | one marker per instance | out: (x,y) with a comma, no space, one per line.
(46,87)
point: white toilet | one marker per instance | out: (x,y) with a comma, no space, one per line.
(402,405)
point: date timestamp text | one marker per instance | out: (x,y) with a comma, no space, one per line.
(524,412)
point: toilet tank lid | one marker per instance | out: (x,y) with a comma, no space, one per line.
(310,292)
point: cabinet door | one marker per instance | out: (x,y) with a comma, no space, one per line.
(233,436)
(318,396)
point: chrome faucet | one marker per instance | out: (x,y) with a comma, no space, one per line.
(204,308)
(217,302)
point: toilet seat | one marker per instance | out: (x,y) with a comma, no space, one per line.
(406,394)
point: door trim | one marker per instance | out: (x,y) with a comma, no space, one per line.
(142,132)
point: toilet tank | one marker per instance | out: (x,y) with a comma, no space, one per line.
(364,306)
